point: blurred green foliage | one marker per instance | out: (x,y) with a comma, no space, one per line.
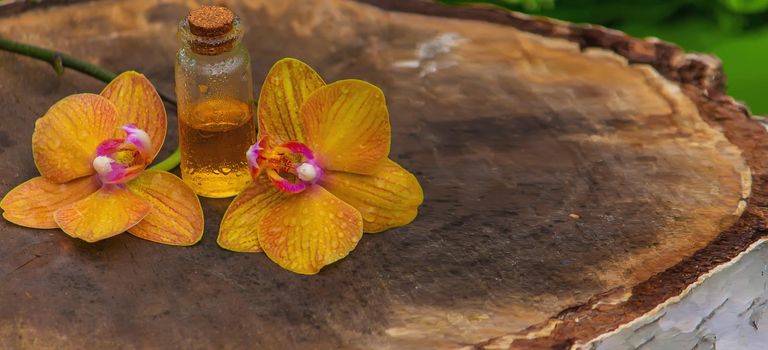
(734,30)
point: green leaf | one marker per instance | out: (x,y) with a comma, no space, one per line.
(743,58)
(746,6)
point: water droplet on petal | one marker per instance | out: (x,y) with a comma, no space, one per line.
(83,134)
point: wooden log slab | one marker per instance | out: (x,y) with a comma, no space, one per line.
(574,177)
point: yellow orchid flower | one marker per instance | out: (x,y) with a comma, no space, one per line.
(92,151)
(328,177)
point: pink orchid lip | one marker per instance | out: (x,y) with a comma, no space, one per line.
(284,185)
(307,170)
(111,163)
(254,153)
(300,148)
(111,172)
(137,137)
(108,147)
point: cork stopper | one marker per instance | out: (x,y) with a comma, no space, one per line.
(210,30)
(210,21)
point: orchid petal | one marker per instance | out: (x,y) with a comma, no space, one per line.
(310,230)
(388,198)
(33,203)
(66,137)
(346,124)
(288,83)
(240,225)
(105,213)
(176,217)
(138,103)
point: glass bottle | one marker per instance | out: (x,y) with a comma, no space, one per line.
(214,92)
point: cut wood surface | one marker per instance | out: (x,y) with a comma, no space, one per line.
(574,179)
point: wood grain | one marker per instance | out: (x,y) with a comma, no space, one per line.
(567,190)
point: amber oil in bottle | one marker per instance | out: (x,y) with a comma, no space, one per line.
(214,92)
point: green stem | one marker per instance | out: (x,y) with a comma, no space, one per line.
(169,163)
(59,61)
